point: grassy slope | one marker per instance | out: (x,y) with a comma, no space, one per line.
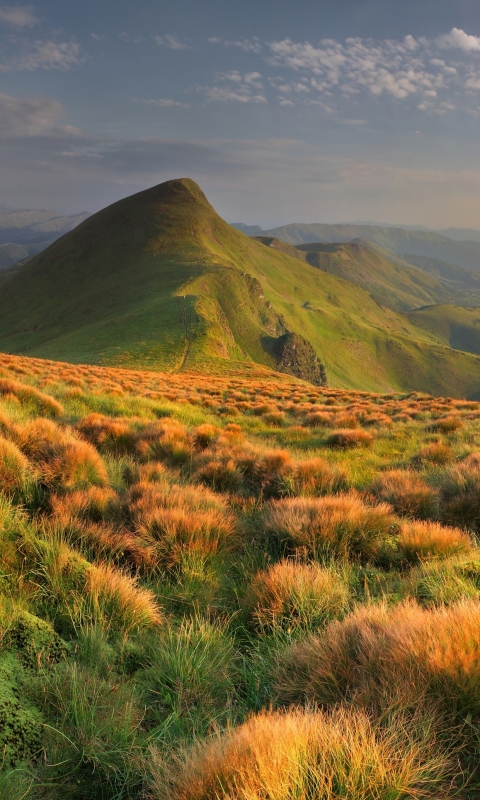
(159,280)
(458,327)
(400,240)
(400,287)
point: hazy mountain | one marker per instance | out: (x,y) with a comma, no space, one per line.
(400,240)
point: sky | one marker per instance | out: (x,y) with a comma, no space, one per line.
(305,111)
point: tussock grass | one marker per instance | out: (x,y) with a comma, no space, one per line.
(304,754)
(379,656)
(294,595)
(178,552)
(342,526)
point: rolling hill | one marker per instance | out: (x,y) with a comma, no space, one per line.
(158,280)
(402,241)
(397,285)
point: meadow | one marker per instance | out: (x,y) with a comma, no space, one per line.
(235,587)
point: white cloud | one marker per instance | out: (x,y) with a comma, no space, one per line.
(246,88)
(172,42)
(18,16)
(252,45)
(164,102)
(29,116)
(44,55)
(459,39)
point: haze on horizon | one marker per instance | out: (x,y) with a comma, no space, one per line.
(344,110)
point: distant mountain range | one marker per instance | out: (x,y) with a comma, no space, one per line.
(160,281)
(449,249)
(25,232)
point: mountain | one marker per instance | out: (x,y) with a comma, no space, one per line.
(26,226)
(461,234)
(404,242)
(12,253)
(250,230)
(395,283)
(25,232)
(159,280)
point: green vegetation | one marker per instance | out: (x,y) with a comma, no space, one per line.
(159,281)
(240,588)
(402,241)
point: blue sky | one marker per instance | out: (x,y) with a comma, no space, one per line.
(318,110)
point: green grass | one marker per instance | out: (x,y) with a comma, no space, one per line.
(97,689)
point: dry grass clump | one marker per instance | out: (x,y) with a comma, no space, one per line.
(270,474)
(341,525)
(78,465)
(304,754)
(419,541)
(291,594)
(116,601)
(94,504)
(63,461)
(435,453)
(408,494)
(460,493)
(318,419)
(112,434)
(205,434)
(15,468)
(348,439)
(28,394)
(380,657)
(174,519)
(174,531)
(448,424)
(166,439)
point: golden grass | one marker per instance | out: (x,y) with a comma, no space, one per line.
(15,468)
(419,541)
(407,493)
(342,526)
(291,595)
(348,439)
(304,754)
(117,602)
(379,656)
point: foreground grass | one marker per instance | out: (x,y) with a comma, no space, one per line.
(229,588)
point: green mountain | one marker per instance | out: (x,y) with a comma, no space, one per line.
(160,281)
(402,241)
(395,284)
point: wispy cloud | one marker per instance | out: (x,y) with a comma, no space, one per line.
(29,116)
(163,102)
(172,42)
(417,68)
(236,87)
(253,45)
(18,16)
(43,55)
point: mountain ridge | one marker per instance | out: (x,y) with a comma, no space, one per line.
(158,280)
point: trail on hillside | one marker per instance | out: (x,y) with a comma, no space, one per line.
(196,269)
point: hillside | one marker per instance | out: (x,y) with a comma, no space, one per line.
(394,284)
(401,240)
(216,585)
(159,280)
